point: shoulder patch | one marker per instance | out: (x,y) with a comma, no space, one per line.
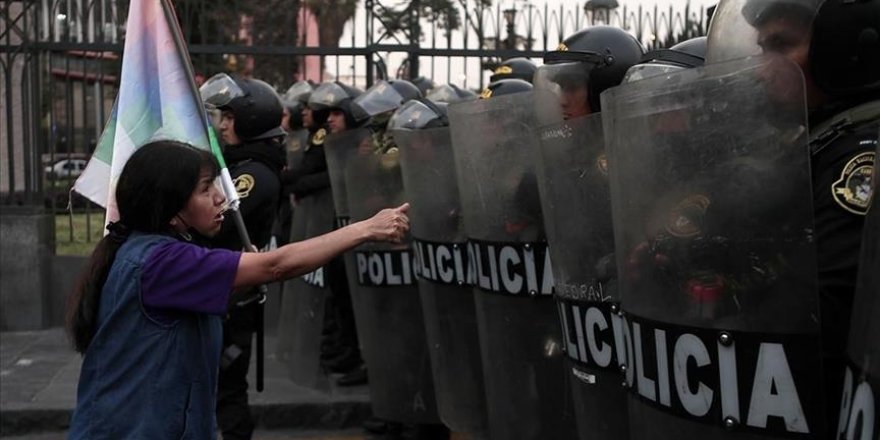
(244,184)
(852,191)
(318,138)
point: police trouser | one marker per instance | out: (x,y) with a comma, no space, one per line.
(345,335)
(233,412)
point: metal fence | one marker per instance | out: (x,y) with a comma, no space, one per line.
(60,60)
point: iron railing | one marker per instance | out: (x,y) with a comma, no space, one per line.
(60,60)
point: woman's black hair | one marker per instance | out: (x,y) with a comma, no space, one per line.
(155,184)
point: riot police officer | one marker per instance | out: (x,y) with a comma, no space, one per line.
(250,127)
(293,102)
(514,68)
(585,64)
(831,41)
(341,353)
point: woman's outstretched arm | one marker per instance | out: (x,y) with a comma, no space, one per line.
(302,257)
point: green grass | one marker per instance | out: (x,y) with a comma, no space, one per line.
(84,239)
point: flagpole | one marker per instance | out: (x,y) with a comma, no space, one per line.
(225,179)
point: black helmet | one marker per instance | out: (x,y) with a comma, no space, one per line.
(383,97)
(596,58)
(506,87)
(294,99)
(424,84)
(254,104)
(332,95)
(734,31)
(450,93)
(518,67)
(419,113)
(685,55)
(845,47)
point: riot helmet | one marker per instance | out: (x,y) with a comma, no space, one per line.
(424,84)
(294,100)
(383,98)
(742,28)
(418,114)
(517,67)
(506,87)
(585,64)
(334,96)
(450,93)
(685,55)
(254,104)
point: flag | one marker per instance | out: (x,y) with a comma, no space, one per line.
(157,100)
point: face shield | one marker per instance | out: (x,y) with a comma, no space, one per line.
(647,70)
(326,96)
(569,82)
(742,28)
(380,98)
(298,92)
(220,90)
(416,115)
(448,93)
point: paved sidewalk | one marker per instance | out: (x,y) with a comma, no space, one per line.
(39,372)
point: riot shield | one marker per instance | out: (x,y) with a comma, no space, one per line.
(520,341)
(576,202)
(713,220)
(339,148)
(304,299)
(386,300)
(860,402)
(447,301)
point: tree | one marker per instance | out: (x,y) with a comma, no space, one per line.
(242,23)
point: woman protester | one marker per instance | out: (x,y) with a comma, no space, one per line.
(147,313)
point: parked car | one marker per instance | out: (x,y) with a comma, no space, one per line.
(66,168)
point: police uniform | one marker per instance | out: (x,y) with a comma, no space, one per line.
(843,163)
(255,170)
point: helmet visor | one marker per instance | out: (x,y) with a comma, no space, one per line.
(647,70)
(298,92)
(448,93)
(326,96)
(380,98)
(742,28)
(413,115)
(220,90)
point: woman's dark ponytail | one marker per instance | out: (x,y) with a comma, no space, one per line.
(82,306)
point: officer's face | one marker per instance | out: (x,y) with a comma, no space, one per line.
(574,102)
(787,37)
(285,120)
(204,209)
(308,121)
(336,121)
(790,38)
(227,129)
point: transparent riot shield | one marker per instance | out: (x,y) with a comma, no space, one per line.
(386,300)
(860,402)
(576,202)
(526,391)
(713,220)
(339,148)
(447,300)
(302,319)
(291,308)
